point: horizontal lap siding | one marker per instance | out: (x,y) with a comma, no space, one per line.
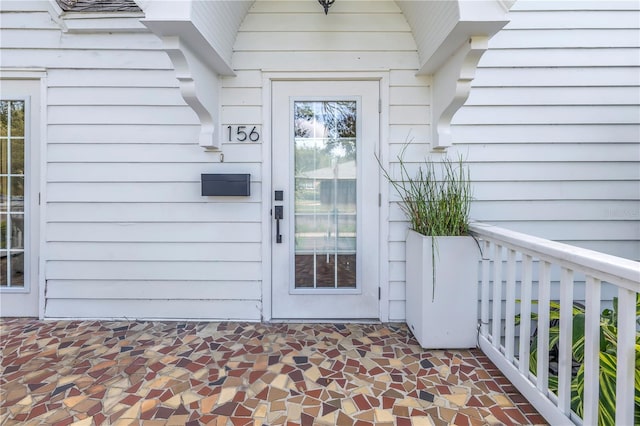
(551,128)
(560,129)
(127,232)
(355,36)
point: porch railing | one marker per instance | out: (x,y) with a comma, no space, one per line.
(513,264)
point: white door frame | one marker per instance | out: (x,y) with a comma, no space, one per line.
(267,79)
(36,167)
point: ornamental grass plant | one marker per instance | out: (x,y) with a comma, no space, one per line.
(437,199)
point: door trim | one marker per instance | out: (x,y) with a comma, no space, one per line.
(267,78)
(38,168)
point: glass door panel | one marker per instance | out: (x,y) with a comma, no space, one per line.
(325,200)
(12,193)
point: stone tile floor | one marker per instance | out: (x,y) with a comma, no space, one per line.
(233,373)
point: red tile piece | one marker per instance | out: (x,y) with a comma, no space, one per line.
(516,415)
(461,420)
(403,421)
(242,411)
(130,400)
(361,402)
(500,415)
(37,411)
(226,409)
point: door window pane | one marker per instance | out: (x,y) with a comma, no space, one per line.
(3,230)
(4,156)
(325,170)
(4,277)
(4,118)
(12,193)
(16,194)
(16,118)
(16,226)
(17,156)
(4,194)
(16,269)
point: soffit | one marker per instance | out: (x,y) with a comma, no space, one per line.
(439,27)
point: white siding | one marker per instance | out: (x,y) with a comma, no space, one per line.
(127,232)
(551,130)
(355,36)
(297,36)
(554,114)
(552,126)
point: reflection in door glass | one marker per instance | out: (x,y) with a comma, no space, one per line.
(325,194)
(12,193)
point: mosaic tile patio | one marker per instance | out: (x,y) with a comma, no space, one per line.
(177,373)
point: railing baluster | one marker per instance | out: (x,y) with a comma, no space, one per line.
(510,310)
(496,318)
(564,345)
(591,352)
(572,262)
(544,296)
(484,300)
(625,371)
(525,314)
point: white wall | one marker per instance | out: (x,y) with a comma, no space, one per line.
(127,232)
(551,131)
(552,125)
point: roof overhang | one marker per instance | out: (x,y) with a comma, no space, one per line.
(451,36)
(450,24)
(195,35)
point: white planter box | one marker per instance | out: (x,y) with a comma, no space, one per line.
(446,319)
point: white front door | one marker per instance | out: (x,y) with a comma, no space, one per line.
(19,182)
(325,185)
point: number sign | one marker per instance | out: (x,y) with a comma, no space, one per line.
(243,133)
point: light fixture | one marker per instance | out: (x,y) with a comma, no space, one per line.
(326,4)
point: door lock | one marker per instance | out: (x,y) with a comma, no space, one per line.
(278,214)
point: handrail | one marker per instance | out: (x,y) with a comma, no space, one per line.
(579,258)
(497,333)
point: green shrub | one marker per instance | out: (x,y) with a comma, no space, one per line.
(608,359)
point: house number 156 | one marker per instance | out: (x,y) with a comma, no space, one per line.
(238,133)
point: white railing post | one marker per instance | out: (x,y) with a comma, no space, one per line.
(496,318)
(544,296)
(525,315)
(591,352)
(565,356)
(625,371)
(484,300)
(510,309)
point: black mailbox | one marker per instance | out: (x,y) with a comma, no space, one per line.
(226,184)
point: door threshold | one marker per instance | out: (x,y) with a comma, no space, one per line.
(324,321)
